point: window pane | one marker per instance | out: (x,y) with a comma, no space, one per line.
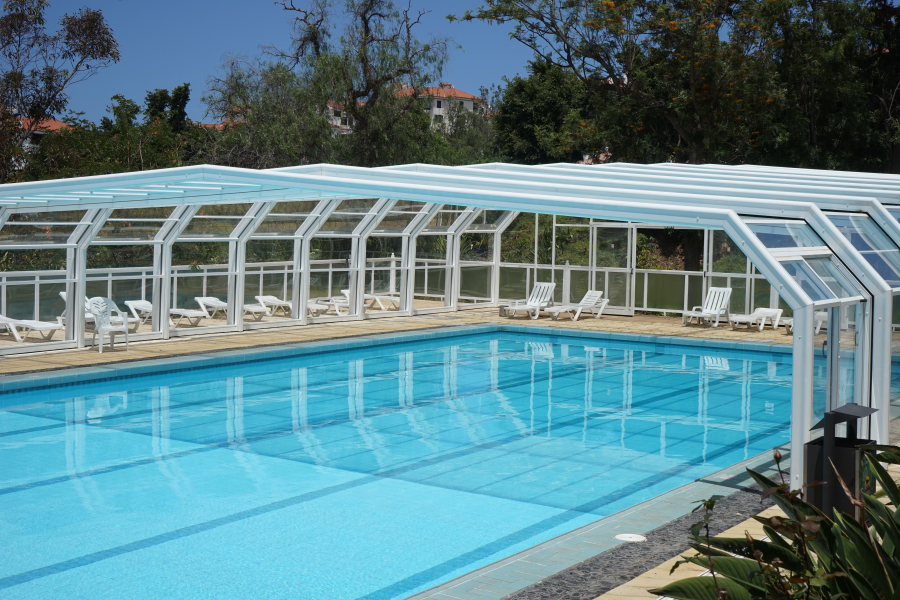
(517,241)
(477,247)
(726,256)
(786,235)
(803,274)
(612,247)
(877,248)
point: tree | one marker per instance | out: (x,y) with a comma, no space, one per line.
(375,75)
(122,142)
(534,113)
(272,117)
(687,79)
(37,68)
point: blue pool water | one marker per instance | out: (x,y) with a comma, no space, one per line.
(364,473)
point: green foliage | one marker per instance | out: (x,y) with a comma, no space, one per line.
(786,82)
(808,555)
(534,113)
(122,142)
(38,67)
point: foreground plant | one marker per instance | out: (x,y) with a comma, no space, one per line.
(807,555)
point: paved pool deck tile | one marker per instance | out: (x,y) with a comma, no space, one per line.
(635,328)
(553,556)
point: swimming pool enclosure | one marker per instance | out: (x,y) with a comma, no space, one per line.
(416,239)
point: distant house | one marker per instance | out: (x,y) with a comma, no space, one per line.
(436,100)
(439,100)
(46,126)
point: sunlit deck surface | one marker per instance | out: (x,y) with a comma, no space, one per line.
(641,324)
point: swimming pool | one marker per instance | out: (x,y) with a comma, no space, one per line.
(370,472)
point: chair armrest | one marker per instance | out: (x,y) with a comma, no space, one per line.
(697,309)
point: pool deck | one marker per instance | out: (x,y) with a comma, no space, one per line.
(202,344)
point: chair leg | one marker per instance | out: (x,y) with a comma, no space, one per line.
(577,315)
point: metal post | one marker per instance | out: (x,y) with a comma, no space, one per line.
(802,391)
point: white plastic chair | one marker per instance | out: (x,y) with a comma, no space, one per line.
(592,302)
(540,298)
(102,309)
(89,318)
(715,307)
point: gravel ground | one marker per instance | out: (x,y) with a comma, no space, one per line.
(610,569)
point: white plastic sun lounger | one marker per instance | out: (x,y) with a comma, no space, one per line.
(592,302)
(317,308)
(257,311)
(541,297)
(274,304)
(143,309)
(820,318)
(27,326)
(758,316)
(715,307)
(372,299)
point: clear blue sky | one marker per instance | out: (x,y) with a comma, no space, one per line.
(168,42)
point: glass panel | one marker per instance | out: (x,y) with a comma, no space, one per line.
(612,247)
(670,249)
(13,233)
(68,216)
(834,277)
(20,302)
(639,289)
(513,283)
(517,241)
(399,217)
(665,291)
(738,301)
(126,229)
(196,254)
(617,292)
(279,225)
(348,215)
(150,212)
(269,251)
(486,220)
(431,247)
(224,210)
(573,244)
(808,280)
(384,247)
(39,259)
(877,248)
(564,220)
(333,249)
(695,291)
(579,285)
(785,235)
(476,247)
(475,282)
(544,240)
(726,256)
(210,227)
(445,218)
(51,304)
(111,257)
(762,291)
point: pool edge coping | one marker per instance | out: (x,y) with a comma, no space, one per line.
(49,378)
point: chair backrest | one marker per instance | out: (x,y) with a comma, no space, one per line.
(263,299)
(101,308)
(592,298)
(717,300)
(541,293)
